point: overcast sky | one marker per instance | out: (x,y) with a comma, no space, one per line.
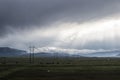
(76,24)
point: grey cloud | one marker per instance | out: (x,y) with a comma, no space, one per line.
(21,14)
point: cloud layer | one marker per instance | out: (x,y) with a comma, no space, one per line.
(24,14)
(78,24)
(101,34)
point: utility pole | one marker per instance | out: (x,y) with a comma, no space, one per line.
(33,48)
(30,57)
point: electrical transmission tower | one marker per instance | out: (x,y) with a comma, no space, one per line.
(31,57)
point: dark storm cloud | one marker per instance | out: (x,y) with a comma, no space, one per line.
(22,14)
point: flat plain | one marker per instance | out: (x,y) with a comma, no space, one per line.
(60,69)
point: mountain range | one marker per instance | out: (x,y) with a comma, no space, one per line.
(59,52)
(11,52)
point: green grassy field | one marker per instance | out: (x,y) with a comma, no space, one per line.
(60,69)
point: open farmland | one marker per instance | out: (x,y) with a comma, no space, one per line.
(60,69)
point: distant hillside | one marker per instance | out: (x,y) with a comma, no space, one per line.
(118,55)
(45,54)
(9,52)
(59,52)
(56,51)
(52,52)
